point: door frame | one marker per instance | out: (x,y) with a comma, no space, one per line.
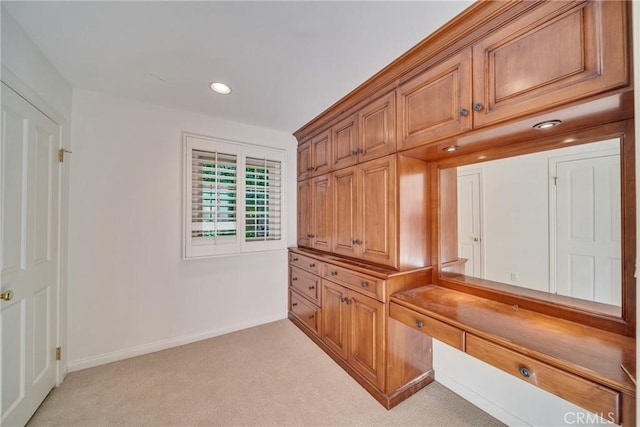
(33,98)
(553,221)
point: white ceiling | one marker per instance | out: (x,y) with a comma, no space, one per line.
(285,61)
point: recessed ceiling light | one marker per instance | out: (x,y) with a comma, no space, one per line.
(220,88)
(546,125)
(451,148)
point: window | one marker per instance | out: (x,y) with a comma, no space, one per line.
(233,197)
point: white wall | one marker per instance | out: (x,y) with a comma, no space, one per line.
(130,291)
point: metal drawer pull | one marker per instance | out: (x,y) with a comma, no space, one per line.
(312,265)
(348,301)
(363,284)
(311,287)
(525,372)
(295,258)
(294,304)
(293,279)
(342,299)
(311,317)
(419,323)
(333,273)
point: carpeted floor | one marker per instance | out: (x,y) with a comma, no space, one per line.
(270,375)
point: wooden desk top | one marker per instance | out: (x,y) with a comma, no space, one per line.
(589,352)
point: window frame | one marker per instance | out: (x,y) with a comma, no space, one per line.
(197,248)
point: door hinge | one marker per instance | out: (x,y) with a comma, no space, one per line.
(61,152)
(58,353)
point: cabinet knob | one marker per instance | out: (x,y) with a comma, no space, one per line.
(294,304)
(348,301)
(293,279)
(342,299)
(312,287)
(354,152)
(363,284)
(478,106)
(311,317)
(525,372)
(419,323)
(464,112)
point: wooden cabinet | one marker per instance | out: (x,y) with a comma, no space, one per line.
(351,308)
(557,53)
(365,211)
(314,213)
(437,103)
(314,155)
(367,135)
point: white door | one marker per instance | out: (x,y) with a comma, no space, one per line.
(29,257)
(588,230)
(470,221)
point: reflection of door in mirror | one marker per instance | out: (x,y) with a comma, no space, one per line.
(585,227)
(548,221)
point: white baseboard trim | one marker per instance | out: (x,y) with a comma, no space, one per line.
(114,356)
(486,405)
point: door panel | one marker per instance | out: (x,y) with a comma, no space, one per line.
(345,208)
(345,143)
(321,213)
(29,260)
(377,199)
(304,213)
(588,229)
(469,222)
(366,336)
(334,321)
(321,153)
(378,128)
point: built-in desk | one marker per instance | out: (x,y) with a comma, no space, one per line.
(581,364)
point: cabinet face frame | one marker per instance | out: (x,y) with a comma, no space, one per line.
(542,302)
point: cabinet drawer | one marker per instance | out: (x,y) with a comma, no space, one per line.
(304,311)
(363,283)
(305,283)
(304,262)
(435,328)
(582,392)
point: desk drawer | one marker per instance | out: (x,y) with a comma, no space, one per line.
(363,283)
(304,311)
(432,327)
(304,262)
(587,394)
(306,283)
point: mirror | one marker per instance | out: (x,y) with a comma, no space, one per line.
(549,222)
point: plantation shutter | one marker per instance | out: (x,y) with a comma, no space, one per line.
(213,195)
(263,199)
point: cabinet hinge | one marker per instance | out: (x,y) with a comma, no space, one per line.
(58,353)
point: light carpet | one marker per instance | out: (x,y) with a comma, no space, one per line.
(270,375)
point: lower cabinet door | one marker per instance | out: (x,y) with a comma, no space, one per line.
(334,320)
(366,337)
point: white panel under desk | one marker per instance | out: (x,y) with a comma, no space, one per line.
(507,398)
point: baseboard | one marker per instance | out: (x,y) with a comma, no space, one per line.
(486,405)
(114,356)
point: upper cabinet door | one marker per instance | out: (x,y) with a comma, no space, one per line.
(437,103)
(377,128)
(321,152)
(377,216)
(345,143)
(304,213)
(557,53)
(305,165)
(321,215)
